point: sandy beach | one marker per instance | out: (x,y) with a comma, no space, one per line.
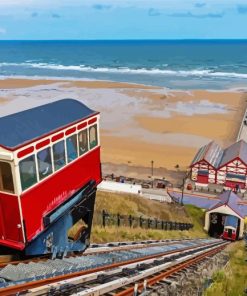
(140,123)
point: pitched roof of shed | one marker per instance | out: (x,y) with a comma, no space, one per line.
(23,127)
(238,149)
(230,199)
(211,152)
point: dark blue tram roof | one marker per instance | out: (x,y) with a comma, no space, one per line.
(22,127)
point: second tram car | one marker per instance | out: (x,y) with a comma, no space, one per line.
(230,228)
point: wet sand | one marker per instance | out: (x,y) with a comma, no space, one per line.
(23,83)
(140,123)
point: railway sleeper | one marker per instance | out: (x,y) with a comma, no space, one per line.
(135,269)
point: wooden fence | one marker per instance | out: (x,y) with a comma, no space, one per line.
(106,219)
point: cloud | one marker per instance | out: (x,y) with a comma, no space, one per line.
(101,6)
(202,16)
(2,31)
(34,14)
(55,15)
(153,12)
(200,4)
(242,9)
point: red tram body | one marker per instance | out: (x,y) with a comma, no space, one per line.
(49,170)
(230,231)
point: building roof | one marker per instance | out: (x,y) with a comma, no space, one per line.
(22,127)
(218,157)
(230,199)
(211,152)
(238,149)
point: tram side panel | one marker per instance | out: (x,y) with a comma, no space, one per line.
(48,195)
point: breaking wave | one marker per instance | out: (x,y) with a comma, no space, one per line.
(125,70)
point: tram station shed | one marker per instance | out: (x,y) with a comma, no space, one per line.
(229,205)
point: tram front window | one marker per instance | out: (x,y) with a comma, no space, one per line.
(6,178)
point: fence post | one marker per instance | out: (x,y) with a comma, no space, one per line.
(162,225)
(141,222)
(130,220)
(156,223)
(103,218)
(118,219)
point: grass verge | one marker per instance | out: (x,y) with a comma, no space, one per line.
(232,280)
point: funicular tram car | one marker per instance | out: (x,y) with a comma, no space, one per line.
(230,228)
(49,170)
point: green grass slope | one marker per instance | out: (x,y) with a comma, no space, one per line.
(136,206)
(232,280)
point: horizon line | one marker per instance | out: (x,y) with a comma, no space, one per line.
(171,39)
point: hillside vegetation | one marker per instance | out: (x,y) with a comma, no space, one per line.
(232,280)
(133,205)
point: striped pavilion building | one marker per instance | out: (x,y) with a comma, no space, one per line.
(225,167)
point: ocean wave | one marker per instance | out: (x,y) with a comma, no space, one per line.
(126,70)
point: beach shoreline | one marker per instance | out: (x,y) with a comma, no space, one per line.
(12,79)
(140,123)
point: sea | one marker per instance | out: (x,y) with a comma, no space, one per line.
(176,64)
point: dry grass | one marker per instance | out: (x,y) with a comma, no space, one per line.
(133,205)
(127,204)
(232,280)
(111,234)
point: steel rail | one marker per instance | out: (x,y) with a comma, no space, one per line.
(174,269)
(151,266)
(125,280)
(100,250)
(29,285)
(102,275)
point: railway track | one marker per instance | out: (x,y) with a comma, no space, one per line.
(95,248)
(98,273)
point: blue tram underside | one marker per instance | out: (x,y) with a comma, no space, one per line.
(67,229)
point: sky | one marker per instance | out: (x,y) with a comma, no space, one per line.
(122,19)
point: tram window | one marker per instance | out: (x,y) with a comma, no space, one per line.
(93,141)
(71,144)
(59,155)
(44,163)
(6,179)
(28,172)
(83,142)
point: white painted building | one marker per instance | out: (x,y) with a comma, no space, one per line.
(120,187)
